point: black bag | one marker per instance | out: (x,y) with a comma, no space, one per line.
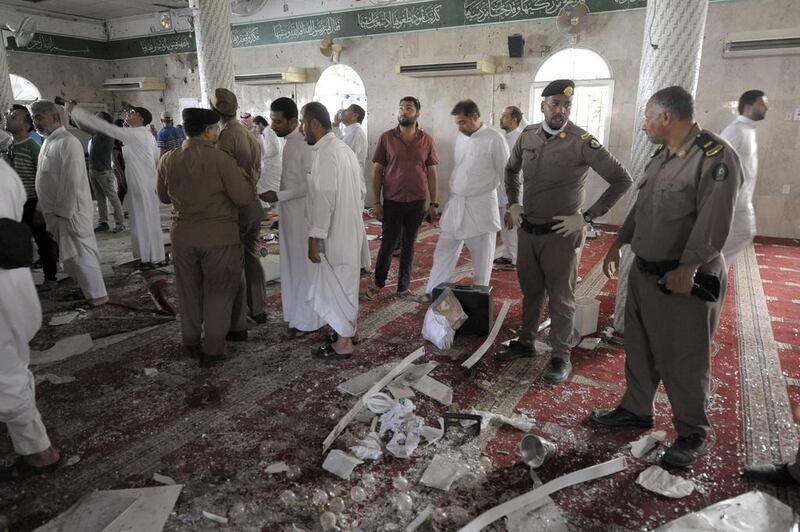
(706,287)
(16,245)
(476,301)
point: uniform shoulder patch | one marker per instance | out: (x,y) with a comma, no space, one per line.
(594,144)
(707,143)
(720,172)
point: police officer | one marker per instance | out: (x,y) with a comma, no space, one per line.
(677,228)
(206,187)
(555,157)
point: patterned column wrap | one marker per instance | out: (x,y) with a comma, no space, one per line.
(676,27)
(212,30)
(6,92)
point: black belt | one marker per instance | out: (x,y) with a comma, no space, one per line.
(538,229)
(656,267)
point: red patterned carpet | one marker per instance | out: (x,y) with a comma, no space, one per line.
(215,431)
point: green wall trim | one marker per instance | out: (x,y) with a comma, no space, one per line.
(425,15)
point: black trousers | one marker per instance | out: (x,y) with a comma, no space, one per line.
(48,249)
(400,219)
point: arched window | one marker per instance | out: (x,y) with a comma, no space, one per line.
(340,86)
(23,90)
(594,88)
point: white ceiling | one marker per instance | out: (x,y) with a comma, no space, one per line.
(95,9)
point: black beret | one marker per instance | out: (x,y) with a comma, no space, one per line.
(196,116)
(562,87)
(147,117)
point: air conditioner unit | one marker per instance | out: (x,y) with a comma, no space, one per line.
(135,84)
(761,43)
(287,75)
(422,68)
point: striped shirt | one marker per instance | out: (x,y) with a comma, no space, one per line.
(23,158)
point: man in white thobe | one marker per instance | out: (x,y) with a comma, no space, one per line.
(741,134)
(512,123)
(356,138)
(271,157)
(471,215)
(141,156)
(62,186)
(334,237)
(20,318)
(293,228)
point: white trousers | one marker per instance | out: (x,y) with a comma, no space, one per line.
(448,249)
(17,399)
(509,238)
(85,269)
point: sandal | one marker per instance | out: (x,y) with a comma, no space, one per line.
(326,352)
(372,293)
(20,469)
(73,296)
(334,337)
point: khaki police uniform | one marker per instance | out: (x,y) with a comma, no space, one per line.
(554,172)
(242,145)
(206,188)
(682,215)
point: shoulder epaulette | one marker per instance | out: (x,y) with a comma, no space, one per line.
(707,143)
(586,136)
(531,127)
(657,151)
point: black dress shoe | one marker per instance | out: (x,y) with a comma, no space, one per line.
(515,350)
(236,336)
(260,318)
(558,371)
(684,451)
(774,473)
(193,351)
(619,417)
(210,361)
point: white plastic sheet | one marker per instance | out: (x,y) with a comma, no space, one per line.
(657,480)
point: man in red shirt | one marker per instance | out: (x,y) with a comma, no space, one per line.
(404,176)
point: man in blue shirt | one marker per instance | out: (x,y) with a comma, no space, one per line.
(170,137)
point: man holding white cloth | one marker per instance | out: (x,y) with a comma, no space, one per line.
(334,237)
(471,215)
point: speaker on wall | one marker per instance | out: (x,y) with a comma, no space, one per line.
(516,45)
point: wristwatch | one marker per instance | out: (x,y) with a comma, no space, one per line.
(434,204)
(587,218)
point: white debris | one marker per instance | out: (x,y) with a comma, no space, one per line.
(163,479)
(369,448)
(149,372)
(657,480)
(434,389)
(521,422)
(277,467)
(62,318)
(423,516)
(441,473)
(394,418)
(647,443)
(590,343)
(53,379)
(406,440)
(747,512)
(215,517)
(340,464)
(63,349)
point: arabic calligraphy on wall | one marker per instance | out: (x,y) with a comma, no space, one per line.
(424,15)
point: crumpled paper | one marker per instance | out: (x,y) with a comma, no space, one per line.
(369,448)
(657,480)
(406,440)
(647,443)
(394,418)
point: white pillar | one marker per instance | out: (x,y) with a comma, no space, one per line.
(6,92)
(676,28)
(212,30)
